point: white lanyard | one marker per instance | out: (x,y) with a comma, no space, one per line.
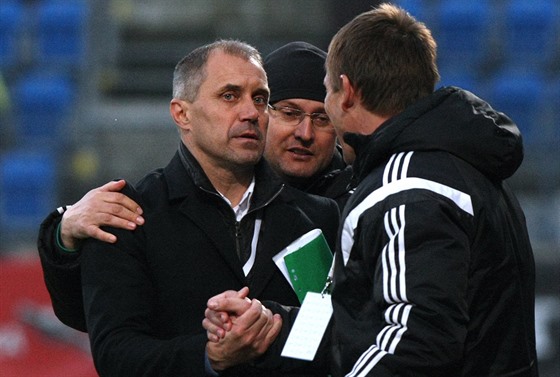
(251,261)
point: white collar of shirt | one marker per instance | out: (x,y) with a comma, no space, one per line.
(243,207)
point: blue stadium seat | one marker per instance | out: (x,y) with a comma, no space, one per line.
(530,34)
(520,96)
(27,189)
(462,30)
(11,21)
(61,32)
(42,105)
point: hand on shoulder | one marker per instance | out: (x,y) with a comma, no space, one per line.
(102,206)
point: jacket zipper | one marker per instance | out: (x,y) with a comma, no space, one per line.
(238,223)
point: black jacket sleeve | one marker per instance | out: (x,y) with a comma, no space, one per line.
(62,275)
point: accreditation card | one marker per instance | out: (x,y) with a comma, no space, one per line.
(309,327)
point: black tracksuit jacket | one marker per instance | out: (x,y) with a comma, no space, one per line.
(434,271)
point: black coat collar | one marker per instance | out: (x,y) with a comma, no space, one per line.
(184,170)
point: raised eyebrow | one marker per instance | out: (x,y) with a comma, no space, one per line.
(230,88)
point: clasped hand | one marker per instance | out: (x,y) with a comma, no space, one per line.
(239,329)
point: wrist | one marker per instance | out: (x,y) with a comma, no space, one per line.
(66,246)
(208,367)
(215,363)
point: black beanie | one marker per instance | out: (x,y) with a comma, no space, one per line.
(296,70)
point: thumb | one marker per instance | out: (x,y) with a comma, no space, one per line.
(243,292)
(114,185)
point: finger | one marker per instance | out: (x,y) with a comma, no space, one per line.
(263,343)
(265,321)
(91,226)
(262,325)
(252,319)
(234,306)
(243,292)
(117,215)
(230,303)
(257,328)
(213,338)
(220,319)
(214,333)
(111,204)
(275,329)
(117,185)
(124,203)
(215,300)
(101,235)
(268,333)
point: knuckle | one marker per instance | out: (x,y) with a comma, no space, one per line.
(105,218)
(117,208)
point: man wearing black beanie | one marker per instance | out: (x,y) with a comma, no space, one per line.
(301,143)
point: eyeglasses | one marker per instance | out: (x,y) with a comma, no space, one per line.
(293,117)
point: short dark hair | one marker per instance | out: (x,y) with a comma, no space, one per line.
(388,56)
(190,72)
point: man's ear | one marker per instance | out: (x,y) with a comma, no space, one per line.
(348,93)
(179,112)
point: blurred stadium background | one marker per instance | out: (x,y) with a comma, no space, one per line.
(84,92)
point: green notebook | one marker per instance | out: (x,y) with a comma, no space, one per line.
(307,261)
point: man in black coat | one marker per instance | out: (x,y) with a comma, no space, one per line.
(215,217)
